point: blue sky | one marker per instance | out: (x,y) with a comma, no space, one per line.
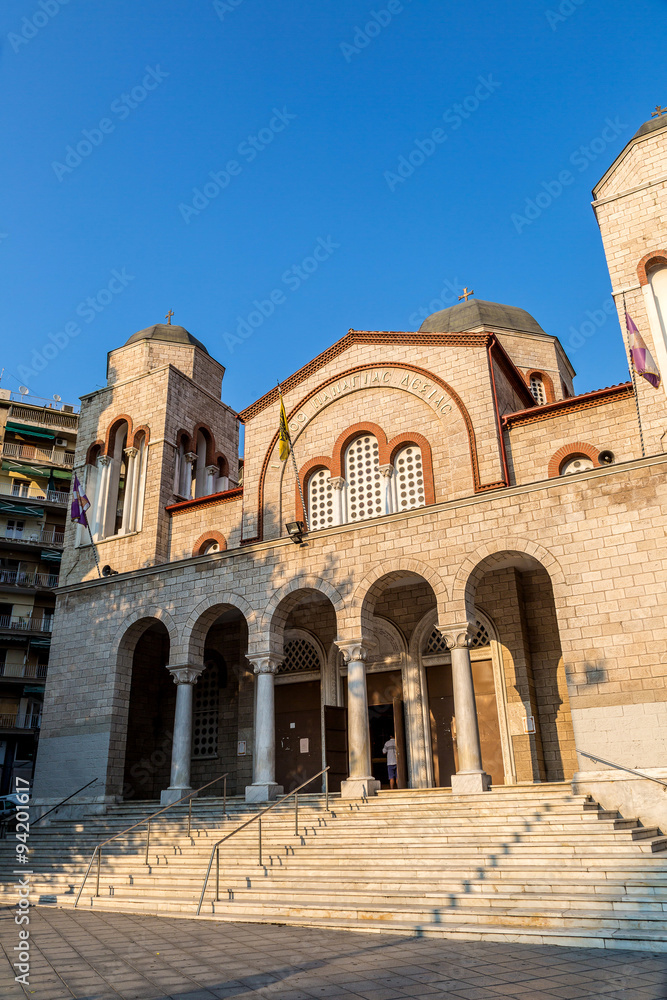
(214,146)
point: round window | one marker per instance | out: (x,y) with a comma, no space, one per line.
(576,463)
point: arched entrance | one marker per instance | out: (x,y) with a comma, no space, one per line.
(150,717)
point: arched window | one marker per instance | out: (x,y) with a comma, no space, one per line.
(117,473)
(658,282)
(182,467)
(576,463)
(300,654)
(537,389)
(321,500)
(365,493)
(408,479)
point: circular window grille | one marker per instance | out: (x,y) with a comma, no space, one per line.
(211,546)
(436,641)
(205,714)
(320,499)
(578,463)
(409,478)
(299,655)
(364,482)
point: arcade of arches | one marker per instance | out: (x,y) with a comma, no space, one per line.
(271,720)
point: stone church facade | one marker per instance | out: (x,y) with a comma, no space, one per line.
(483,575)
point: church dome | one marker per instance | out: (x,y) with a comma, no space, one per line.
(475,313)
(167,332)
(652,125)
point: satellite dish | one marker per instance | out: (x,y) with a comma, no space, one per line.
(23,389)
(57,398)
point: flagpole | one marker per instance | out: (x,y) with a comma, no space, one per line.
(634,379)
(296,471)
(97,561)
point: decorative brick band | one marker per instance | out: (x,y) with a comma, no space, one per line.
(213,500)
(546,382)
(571,451)
(655,258)
(587,400)
(362,337)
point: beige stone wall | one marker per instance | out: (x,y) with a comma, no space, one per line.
(610,426)
(188,527)
(530,352)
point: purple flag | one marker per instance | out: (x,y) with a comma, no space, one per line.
(80,503)
(641,356)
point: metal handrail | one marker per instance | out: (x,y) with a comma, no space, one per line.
(53,808)
(621,767)
(215,852)
(147,819)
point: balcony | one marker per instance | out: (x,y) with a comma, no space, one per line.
(23,671)
(20,720)
(26,492)
(45,417)
(47,536)
(17,578)
(33,453)
(26,623)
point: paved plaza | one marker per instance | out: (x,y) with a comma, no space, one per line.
(95,956)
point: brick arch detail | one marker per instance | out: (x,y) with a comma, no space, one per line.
(435,379)
(220,457)
(571,451)
(547,381)
(204,615)
(183,434)
(412,437)
(348,436)
(210,442)
(209,536)
(650,259)
(89,453)
(274,618)
(113,427)
(358,611)
(143,429)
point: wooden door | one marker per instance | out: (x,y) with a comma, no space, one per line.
(335,745)
(401,751)
(298,734)
(441,711)
(487,720)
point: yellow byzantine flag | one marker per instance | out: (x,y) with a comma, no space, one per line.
(284,439)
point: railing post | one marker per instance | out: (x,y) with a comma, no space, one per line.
(224,798)
(217,875)
(148,837)
(259,824)
(296,815)
(99,859)
(190,817)
(326,789)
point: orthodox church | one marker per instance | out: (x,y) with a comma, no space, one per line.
(465,555)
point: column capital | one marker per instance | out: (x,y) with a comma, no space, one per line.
(131,452)
(355,649)
(337,483)
(190,456)
(263,663)
(104,460)
(186,673)
(457,636)
(211,470)
(386,471)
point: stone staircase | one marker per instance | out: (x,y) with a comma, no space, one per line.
(526,863)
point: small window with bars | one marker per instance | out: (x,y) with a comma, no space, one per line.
(436,640)
(299,656)
(205,713)
(320,500)
(408,479)
(537,389)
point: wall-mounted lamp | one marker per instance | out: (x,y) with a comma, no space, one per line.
(296,530)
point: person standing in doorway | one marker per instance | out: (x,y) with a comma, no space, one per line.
(390,750)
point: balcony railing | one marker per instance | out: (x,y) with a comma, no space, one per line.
(17,578)
(33,453)
(47,536)
(25,491)
(26,671)
(20,721)
(26,624)
(47,417)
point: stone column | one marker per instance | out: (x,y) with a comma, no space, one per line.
(103,476)
(387,471)
(129,505)
(211,478)
(361,782)
(264,785)
(185,677)
(189,466)
(338,487)
(470,776)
